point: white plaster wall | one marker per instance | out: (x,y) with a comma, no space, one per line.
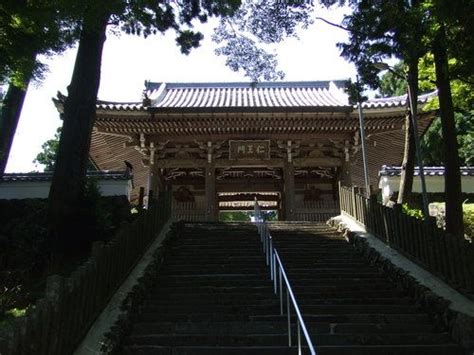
(390,184)
(28,189)
(24,189)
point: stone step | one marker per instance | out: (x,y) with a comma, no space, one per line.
(282,339)
(268,289)
(201,282)
(274,301)
(382,318)
(252,309)
(199,254)
(191,269)
(323,276)
(277,327)
(161,288)
(196,316)
(358,309)
(214,301)
(440,349)
(249,309)
(203,259)
(206,350)
(247,246)
(219,234)
(214,296)
(214,269)
(165,281)
(217,328)
(246,296)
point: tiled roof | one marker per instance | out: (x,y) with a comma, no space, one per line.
(287,94)
(329,95)
(396,101)
(428,171)
(47,176)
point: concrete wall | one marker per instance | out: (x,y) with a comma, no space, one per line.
(390,184)
(40,189)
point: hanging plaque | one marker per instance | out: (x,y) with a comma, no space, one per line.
(249,150)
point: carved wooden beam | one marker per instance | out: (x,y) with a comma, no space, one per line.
(311,162)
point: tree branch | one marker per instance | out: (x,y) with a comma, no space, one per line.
(333,24)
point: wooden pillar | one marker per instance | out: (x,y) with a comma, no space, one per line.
(210,192)
(289,190)
(346,174)
(156,180)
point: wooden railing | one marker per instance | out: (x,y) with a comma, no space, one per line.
(449,257)
(317,211)
(58,322)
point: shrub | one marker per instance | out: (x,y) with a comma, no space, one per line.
(413,212)
(469,220)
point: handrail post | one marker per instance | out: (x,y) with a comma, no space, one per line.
(281,293)
(274,274)
(288,310)
(299,338)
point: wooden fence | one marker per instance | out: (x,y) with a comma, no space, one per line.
(58,322)
(449,257)
(188,211)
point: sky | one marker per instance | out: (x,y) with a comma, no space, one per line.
(129,60)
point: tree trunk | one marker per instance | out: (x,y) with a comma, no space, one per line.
(68,185)
(452,175)
(408,163)
(9,117)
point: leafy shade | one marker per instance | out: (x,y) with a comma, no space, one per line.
(463,101)
(433,140)
(381,30)
(47,156)
(32,28)
(391,84)
(463,98)
(244,37)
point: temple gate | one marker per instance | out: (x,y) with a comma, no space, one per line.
(217,146)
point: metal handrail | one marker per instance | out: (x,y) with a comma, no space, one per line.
(276,265)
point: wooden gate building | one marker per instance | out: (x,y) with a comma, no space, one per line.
(219,145)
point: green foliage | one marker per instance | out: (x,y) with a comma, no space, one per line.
(463,101)
(468,210)
(25,248)
(245,216)
(101,217)
(468,217)
(413,212)
(50,149)
(150,17)
(32,28)
(391,84)
(381,30)
(10,295)
(23,235)
(243,36)
(432,141)
(236,216)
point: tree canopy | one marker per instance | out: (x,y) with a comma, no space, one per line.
(463,99)
(47,156)
(408,30)
(29,29)
(243,38)
(143,17)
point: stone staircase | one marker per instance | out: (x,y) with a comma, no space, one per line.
(214,296)
(348,305)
